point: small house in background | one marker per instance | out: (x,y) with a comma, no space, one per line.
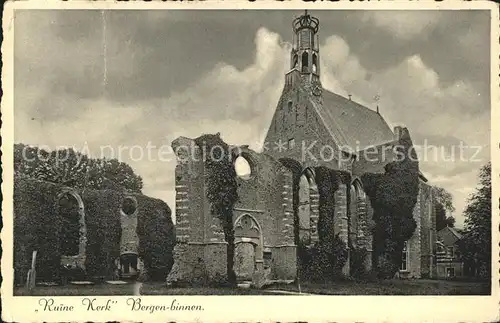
(449,263)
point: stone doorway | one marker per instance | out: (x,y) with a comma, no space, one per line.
(244,260)
(248,254)
(129,268)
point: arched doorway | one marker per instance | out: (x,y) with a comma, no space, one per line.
(129,262)
(129,265)
(307,186)
(248,251)
(72,238)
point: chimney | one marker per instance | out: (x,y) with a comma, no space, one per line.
(349,95)
(398,131)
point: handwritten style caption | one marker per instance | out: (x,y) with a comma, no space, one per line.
(134,304)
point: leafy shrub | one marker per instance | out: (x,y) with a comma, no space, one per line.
(393,196)
(322,262)
(357,258)
(156,236)
(38,225)
(325,259)
(221,189)
(102,217)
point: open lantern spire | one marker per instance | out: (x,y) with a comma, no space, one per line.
(305,50)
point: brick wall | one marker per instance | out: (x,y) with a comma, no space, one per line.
(200,255)
(414,243)
(190,204)
(296,118)
(428,230)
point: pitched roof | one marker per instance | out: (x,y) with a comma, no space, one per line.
(352,124)
(457,234)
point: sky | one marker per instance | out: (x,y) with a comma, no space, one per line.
(113,83)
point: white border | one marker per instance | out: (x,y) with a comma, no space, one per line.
(253,308)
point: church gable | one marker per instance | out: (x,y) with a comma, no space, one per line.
(297,131)
(359,127)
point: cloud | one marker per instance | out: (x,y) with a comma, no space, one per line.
(449,123)
(60,100)
(403,24)
(237,103)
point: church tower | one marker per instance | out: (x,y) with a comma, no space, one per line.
(304,56)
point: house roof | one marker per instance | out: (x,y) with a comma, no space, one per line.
(457,234)
(353,125)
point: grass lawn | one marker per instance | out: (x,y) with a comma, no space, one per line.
(393,287)
(161,289)
(385,287)
(77,290)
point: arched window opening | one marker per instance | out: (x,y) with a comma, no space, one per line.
(305,62)
(69,211)
(304,208)
(295,61)
(315,63)
(129,206)
(242,168)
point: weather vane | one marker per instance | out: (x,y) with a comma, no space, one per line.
(377,98)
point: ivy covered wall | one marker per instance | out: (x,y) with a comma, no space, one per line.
(38,226)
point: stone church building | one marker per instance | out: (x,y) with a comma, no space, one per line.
(313,127)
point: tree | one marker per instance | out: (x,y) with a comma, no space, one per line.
(476,243)
(393,196)
(71,168)
(443,202)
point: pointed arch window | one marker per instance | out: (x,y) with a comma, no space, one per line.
(305,62)
(307,186)
(314,63)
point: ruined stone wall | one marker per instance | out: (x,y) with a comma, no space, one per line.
(414,243)
(428,229)
(267,196)
(200,255)
(421,244)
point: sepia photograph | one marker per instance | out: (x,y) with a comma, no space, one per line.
(270,152)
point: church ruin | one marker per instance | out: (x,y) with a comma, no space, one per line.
(270,219)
